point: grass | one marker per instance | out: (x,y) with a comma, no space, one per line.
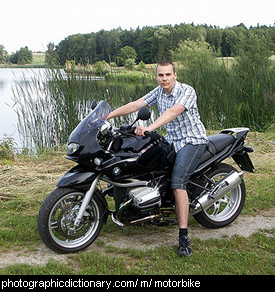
(261,185)
(237,256)
(38,61)
(27,180)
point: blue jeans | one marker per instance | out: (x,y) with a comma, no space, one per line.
(187,160)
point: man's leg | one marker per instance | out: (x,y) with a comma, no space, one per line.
(182,210)
(182,207)
(186,161)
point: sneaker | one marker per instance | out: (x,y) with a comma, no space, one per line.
(184,249)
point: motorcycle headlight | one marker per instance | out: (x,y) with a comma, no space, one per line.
(105,128)
(72,148)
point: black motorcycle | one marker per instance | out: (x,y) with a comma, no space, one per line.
(135,171)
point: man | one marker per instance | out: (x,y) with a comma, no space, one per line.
(177,104)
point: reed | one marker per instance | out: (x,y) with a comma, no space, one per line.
(51,105)
(242,94)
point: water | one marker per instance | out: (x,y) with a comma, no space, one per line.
(50,123)
(8,116)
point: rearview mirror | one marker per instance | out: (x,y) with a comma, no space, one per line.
(94,104)
(144,114)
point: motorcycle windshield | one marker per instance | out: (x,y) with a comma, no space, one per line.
(93,122)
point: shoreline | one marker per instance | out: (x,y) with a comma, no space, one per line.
(27,66)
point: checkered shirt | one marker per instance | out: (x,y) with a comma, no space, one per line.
(187,127)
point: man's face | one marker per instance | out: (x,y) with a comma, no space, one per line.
(166,77)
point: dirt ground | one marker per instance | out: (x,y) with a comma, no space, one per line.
(243,226)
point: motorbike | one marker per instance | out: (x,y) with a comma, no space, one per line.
(134,171)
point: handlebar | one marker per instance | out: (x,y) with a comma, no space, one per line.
(147,134)
(130,131)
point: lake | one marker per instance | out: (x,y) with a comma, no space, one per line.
(50,110)
(8,117)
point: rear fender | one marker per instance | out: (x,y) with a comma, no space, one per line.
(243,160)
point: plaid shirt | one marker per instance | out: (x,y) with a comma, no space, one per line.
(187,127)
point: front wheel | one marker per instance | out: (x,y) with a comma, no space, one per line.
(56,220)
(229,207)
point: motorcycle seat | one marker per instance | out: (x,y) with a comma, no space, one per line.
(216,144)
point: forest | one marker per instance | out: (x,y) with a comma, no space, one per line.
(151,44)
(234,91)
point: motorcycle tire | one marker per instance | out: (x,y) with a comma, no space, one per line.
(56,218)
(229,207)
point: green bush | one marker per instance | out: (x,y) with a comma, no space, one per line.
(129,64)
(102,68)
(7,148)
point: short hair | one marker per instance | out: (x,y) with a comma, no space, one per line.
(166,63)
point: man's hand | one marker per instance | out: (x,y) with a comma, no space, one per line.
(140,130)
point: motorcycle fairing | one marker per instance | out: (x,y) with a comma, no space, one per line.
(85,135)
(75,177)
(136,155)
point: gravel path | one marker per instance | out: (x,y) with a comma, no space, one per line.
(243,226)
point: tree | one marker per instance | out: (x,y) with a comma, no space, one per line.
(76,48)
(51,55)
(163,42)
(214,38)
(108,44)
(90,49)
(125,54)
(230,41)
(128,38)
(144,45)
(194,55)
(3,54)
(154,43)
(23,56)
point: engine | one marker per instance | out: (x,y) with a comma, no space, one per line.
(135,203)
(145,199)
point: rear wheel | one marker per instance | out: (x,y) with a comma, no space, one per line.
(229,207)
(57,216)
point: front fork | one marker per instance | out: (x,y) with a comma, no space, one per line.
(87,198)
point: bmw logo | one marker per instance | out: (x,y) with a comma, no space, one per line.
(116,171)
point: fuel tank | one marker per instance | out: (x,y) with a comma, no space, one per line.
(136,155)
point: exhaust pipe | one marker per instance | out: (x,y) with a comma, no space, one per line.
(208,198)
(160,215)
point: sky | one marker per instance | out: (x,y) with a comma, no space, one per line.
(35,23)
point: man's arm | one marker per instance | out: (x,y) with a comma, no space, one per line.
(127,109)
(169,115)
